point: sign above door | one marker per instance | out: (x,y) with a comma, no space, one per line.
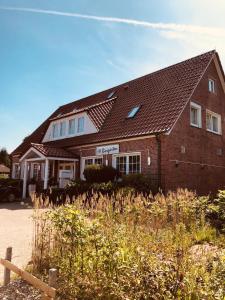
(108,149)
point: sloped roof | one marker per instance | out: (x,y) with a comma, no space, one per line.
(162,95)
(4,169)
(49,151)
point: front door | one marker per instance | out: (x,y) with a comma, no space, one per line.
(66,173)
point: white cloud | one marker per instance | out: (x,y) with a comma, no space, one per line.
(183,28)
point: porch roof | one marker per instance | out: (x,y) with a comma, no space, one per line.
(49,151)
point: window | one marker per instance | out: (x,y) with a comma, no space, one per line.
(16,171)
(36,169)
(98,161)
(134,164)
(80,127)
(128,164)
(72,126)
(62,130)
(133,112)
(121,164)
(213,122)
(55,133)
(93,161)
(195,115)
(212,86)
(111,94)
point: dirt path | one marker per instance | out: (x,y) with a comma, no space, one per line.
(16,231)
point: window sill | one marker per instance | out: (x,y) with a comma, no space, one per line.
(196,126)
(218,133)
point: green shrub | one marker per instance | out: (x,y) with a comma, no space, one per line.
(10,182)
(100,173)
(140,182)
(215,211)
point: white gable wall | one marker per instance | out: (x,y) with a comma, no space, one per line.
(89,127)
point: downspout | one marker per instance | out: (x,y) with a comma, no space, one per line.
(159,159)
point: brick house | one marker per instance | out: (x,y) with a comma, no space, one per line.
(169,124)
(4,171)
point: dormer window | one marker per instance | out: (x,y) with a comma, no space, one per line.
(212,88)
(80,126)
(133,112)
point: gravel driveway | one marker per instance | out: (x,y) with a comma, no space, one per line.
(16,231)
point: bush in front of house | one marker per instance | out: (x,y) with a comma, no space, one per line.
(9,182)
(140,183)
(100,173)
(215,211)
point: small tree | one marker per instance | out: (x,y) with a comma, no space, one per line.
(4,157)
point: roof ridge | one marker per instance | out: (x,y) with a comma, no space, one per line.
(143,76)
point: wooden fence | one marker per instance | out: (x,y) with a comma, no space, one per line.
(48,290)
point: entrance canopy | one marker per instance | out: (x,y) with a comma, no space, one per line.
(44,153)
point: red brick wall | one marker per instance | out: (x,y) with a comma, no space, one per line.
(141,145)
(201,145)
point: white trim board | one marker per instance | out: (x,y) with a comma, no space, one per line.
(32,149)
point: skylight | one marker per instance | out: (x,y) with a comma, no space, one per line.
(133,111)
(111,94)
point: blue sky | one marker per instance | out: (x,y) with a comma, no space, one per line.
(49,58)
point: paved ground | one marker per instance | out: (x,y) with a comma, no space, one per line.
(16,231)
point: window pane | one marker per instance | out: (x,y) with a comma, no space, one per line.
(208,121)
(62,131)
(121,164)
(98,161)
(80,127)
(134,164)
(55,130)
(133,112)
(215,124)
(194,116)
(72,126)
(17,171)
(36,171)
(211,85)
(88,161)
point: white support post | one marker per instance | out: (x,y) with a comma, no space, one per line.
(46,174)
(25,180)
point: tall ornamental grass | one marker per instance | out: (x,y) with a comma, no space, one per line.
(130,247)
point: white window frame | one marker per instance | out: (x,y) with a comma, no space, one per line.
(213,114)
(114,156)
(83,163)
(212,85)
(199,114)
